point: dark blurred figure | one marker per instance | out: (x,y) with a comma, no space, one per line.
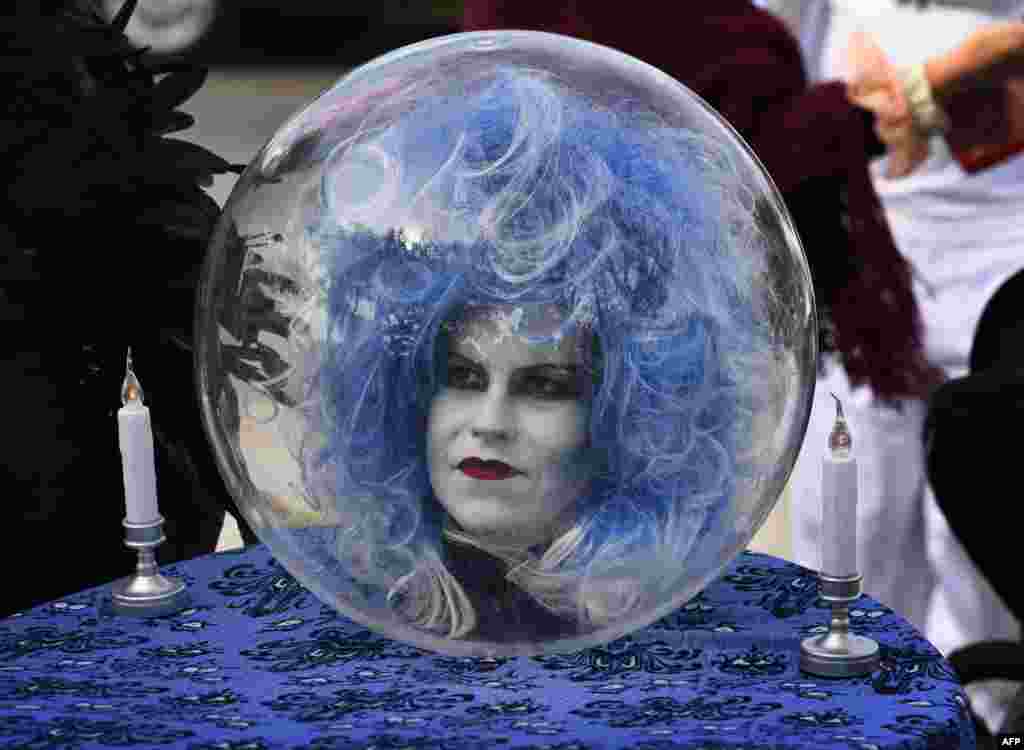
(104,233)
(972,445)
(971,453)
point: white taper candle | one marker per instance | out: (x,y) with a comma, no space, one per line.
(135,436)
(839,502)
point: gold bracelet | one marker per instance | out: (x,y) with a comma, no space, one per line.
(927,114)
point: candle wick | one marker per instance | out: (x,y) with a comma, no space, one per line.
(839,404)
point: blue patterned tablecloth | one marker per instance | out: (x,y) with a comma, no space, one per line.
(257,662)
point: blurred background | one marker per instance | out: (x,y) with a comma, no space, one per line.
(268,59)
(268,32)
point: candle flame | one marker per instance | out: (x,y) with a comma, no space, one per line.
(840,441)
(131,389)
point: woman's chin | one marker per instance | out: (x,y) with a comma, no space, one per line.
(495,522)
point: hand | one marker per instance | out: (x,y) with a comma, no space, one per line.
(874,84)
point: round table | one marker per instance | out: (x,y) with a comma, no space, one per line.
(256,661)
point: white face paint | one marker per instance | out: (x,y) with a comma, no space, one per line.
(505,423)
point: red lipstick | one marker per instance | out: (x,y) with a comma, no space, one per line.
(490,471)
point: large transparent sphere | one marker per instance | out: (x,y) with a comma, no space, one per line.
(506,344)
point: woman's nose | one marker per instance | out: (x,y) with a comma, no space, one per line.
(493,418)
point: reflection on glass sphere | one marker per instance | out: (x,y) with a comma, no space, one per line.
(505,344)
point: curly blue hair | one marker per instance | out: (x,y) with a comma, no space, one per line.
(519,190)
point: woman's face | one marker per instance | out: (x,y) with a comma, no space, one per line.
(506,422)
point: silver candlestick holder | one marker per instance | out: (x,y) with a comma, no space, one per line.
(839,653)
(147,593)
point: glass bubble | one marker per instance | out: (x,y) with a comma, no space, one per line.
(505,344)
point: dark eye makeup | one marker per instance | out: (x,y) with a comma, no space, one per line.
(465,375)
(547,382)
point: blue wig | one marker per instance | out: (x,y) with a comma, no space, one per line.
(518,190)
